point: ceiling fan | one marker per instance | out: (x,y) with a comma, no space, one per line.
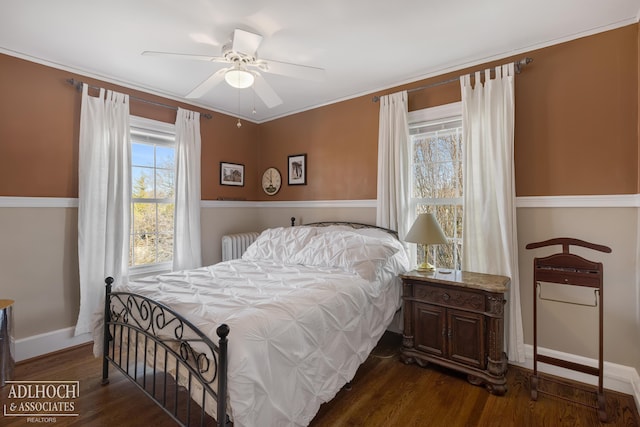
(245,70)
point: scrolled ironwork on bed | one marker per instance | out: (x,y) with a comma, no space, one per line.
(146,340)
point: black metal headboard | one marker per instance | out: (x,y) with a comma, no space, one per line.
(347,223)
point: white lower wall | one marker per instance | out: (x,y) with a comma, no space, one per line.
(37,345)
(571,328)
(39,267)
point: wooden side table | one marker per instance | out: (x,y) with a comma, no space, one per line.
(456,320)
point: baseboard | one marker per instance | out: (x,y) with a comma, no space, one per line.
(623,379)
(37,345)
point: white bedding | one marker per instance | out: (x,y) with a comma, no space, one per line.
(297,332)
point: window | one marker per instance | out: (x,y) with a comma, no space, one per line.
(436,176)
(152,195)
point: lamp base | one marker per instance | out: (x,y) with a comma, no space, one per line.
(425,267)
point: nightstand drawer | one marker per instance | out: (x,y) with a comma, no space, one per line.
(449,297)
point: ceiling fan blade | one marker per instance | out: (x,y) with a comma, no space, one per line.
(265,92)
(294,70)
(208,84)
(246,42)
(183,56)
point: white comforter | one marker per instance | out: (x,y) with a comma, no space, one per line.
(298,333)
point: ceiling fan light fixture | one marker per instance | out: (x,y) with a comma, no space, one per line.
(239,78)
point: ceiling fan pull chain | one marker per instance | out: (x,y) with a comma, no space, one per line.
(239,124)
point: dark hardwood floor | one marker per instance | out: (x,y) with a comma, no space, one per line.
(385,392)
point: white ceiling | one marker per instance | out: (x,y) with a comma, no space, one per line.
(364,45)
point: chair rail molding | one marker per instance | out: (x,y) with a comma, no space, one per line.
(589,201)
(38,202)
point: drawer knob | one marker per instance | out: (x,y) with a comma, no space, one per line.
(446,297)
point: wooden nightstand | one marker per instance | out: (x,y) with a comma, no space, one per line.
(456,320)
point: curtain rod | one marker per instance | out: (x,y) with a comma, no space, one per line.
(78,85)
(518,65)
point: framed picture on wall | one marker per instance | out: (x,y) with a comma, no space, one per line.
(231,174)
(297,170)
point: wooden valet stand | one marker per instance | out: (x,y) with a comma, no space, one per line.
(567,269)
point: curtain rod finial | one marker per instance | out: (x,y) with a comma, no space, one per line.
(521,63)
(75,83)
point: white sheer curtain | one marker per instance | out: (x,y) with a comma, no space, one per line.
(103,197)
(490,237)
(392,207)
(187,252)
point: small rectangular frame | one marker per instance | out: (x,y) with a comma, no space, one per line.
(297,169)
(232,174)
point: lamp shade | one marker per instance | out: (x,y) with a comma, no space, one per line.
(239,78)
(426,230)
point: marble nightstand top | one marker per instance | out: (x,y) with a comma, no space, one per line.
(463,279)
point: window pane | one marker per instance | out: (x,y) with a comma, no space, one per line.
(144,218)
(423,151)
(165,247)
(165,157)
(142,183)
(445,257)
(442,180)
(459,179)
(458,249)
(144,249)
(422,182)
(445,216)
(142,154)
(446,147)
(165,183)
(458,218)
(165,217)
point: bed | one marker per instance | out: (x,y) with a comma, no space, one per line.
(262,340)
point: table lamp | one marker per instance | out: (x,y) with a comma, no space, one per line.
(426,231)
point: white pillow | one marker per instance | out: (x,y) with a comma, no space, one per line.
(353,252)
(334,227)
(279,244)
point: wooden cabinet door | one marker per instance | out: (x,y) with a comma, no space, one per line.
(466,338)
(429,328)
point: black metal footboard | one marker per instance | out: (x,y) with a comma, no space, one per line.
(167,357)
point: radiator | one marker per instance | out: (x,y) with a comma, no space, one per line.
(234,245)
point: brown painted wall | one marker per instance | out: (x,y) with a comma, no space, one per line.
(39,126)
(576,130)
(576,126)
(577,117)
(340,141)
